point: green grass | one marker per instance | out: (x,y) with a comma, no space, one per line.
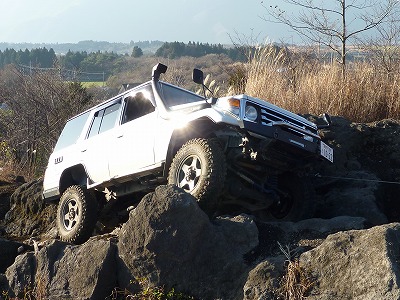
(93,84)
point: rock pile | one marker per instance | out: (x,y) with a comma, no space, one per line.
(350,249)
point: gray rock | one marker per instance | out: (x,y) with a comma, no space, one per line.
(263,282)
(21,274)
(171,241)
(63,271)
(29,215)
(300,236)
(356,265)
(9,250)
(353,197)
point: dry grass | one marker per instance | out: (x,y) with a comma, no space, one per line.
(296,283)
(305,86)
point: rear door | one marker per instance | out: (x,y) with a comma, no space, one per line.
(99,141)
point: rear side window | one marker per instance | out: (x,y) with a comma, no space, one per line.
(138,104)
(104,119)
(71,132)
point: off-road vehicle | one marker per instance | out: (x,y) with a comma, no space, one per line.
(228,152)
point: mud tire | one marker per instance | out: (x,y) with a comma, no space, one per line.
(199,168)
(76,215)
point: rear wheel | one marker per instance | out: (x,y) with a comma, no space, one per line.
(296,200)
(76,215)
(199,168)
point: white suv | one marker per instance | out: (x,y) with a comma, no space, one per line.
(229,152)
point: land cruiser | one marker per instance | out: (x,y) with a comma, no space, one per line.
(230,152)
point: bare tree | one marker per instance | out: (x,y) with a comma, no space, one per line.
(38,106)
(332,23)
(384,47)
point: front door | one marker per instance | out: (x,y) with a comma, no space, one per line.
(133,141)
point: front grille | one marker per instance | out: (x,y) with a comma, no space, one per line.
(267,116)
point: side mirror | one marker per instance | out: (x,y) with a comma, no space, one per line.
(198,76)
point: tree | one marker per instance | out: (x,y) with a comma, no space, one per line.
(39,105)
(384,48)
(332,23)
(137,52)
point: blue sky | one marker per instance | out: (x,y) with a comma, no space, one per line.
(60,21)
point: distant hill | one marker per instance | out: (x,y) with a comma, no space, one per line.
(88,46)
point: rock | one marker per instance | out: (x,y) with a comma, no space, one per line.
(61,270)
(3,285)
(29,214)
(356,265)
(353,197)
(9,250)
(263,281)
(6,189)
(21,274)
(301,236)
(350,186)
(170,241)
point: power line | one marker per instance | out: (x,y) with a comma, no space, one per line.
(66,74)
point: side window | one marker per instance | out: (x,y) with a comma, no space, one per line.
(104,119)
(138,104)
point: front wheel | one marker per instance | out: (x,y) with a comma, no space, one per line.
(76,215)
(199,168)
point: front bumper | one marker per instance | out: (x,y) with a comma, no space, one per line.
(299,142)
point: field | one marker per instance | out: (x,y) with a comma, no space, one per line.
(91,84)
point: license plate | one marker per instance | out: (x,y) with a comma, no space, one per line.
(326,151)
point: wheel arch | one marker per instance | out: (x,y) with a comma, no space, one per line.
(203,127)
(74,175)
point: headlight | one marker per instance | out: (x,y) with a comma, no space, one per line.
(231,104)
(251,113)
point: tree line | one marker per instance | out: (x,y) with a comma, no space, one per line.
(40,57)
(193,49)
(104,61)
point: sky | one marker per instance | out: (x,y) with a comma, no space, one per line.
(71,21)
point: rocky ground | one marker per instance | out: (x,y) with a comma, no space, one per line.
(349,250)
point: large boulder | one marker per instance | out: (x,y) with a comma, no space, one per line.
(281,242)
(29,214)
(356,264)
(63,271)
(170,241)
(352,185)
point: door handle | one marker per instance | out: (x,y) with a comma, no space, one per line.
(83,150)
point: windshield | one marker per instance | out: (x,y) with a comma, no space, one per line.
(174,96)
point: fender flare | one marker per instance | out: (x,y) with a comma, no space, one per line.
(203,127)
(74,175)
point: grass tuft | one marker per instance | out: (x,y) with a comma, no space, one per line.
(296,283)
